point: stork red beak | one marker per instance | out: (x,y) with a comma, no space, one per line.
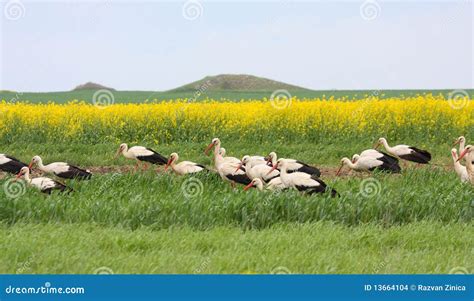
(376,145)
(117,154)
(462,154)
(168,163)
(339,170)
(273,168)
(18,176)
(248,186)
(238,167)
(208,148)
(31,165)
(456,142)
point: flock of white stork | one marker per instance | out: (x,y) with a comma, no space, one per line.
(252,171)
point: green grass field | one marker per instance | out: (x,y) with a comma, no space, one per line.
(142,96)
(323,247)
(417,222)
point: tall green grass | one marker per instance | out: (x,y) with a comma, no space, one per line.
(132,201)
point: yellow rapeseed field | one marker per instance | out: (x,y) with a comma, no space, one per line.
(428,117)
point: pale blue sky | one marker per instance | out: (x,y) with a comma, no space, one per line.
(149,45)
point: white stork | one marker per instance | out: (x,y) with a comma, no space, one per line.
(61,169)
(45,185)
(261,171)
(183,168)
(141,154)
(373,153)
(469,154)
(300,180)
(294,165)
(273,184)
(369,164)
(216,143)
(11,165)
(228,171)
(462,144)
(405,152)
(461,171)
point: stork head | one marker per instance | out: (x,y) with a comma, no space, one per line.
(244,161)
(355,157)
(122,148)
(467,151)
(460,140)
(279,164)
(23,172)
(344,161)
(222,151)
(271,158)
(172,158)
(214,142)
(35,161)
(380,142)
(255,183)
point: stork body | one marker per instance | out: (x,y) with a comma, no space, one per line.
(468,153)
(273,184)
(406,152)
(141,154)
(10,164)
(369,164)
(228,172)
(261,171)
(61,169)
(295,165)
(376,156)
(184,167)
(44,184)
(461,171)
(301,181)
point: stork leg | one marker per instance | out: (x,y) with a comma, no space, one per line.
(232,184)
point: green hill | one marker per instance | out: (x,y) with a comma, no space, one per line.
(236,82)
